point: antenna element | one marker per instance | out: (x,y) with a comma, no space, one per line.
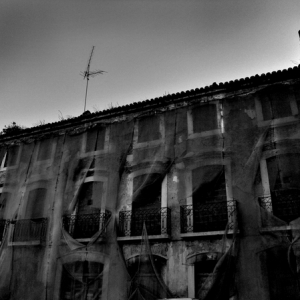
(87,73)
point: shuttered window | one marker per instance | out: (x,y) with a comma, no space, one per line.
(204,118)
(148,129)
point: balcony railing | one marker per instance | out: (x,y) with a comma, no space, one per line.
(206,217)
(157,221)
(85,226)
(285,204)
(33,230)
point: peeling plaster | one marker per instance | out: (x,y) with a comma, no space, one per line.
(251,113)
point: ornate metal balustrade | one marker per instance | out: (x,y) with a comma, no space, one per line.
(205,217)
(285,204)
(3,227)
(85,226)
(33,230)
(157,221)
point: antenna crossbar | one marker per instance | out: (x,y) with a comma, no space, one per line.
(87,74)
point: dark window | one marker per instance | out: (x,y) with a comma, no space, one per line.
(36,204)
(205,118)
(203,277)
(148,129)
(82,280)
(95,140)
(146,273)
(209,184)
(146,205)
(282,282)
(276,105)
(284,180)
(45,150)
(11,156)
(209,198)
(90,197)
(4,199)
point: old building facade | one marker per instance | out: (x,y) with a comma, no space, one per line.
(191,195)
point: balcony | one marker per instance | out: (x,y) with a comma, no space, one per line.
(28,232)
(157,221)
(85,226)
(284,204)
(208,217)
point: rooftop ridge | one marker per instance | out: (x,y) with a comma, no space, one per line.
(228,86)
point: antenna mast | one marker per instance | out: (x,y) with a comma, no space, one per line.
(87,73)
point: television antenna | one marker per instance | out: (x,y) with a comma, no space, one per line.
(87,73)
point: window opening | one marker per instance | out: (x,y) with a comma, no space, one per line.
(36,203)
(82,280)
(204,118)
(11,156)
(95,140)
(284,181)
(146,205)
(146,273)
(45,150)
(149,129)
(203,277)
(90,198)
(282,282)
(275,106)
(209,198)
(88,219)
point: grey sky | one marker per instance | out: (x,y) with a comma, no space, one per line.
(148,48)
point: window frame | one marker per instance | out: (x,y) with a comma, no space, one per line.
(259,112)
(219,116)
(4,168)
(105,149)
(94,178)
(93,256)
(152,143)
(49,160)
(189,191)
(265,182)
(128,206)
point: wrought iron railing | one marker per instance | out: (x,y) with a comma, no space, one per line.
(3,227)
(285,204)
(31,230)
(86,225)
(157,221)
(205,217)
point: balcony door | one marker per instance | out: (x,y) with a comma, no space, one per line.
(209,198)
(284,181)
(88,209)
(146,205)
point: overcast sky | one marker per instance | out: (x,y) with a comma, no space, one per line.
(148,48)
